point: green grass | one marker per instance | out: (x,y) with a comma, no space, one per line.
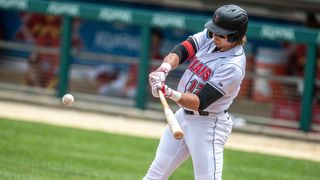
(37,151)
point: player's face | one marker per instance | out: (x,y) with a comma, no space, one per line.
(222,42)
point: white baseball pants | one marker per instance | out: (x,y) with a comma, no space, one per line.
(204,139)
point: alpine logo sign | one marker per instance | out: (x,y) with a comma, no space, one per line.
(16,4)
(164,20)
(276,32)
(108,14)
(63,8)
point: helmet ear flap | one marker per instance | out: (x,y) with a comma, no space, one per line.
(233,38)
(209,34)
(239,34)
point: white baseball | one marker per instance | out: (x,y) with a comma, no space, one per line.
(67,99)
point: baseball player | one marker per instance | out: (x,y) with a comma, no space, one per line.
(205,92)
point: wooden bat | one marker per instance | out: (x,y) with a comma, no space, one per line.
(171,119)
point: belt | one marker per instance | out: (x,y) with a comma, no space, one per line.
(201,113)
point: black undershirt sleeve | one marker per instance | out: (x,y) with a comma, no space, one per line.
(185,50)
(182,53)
(209,95)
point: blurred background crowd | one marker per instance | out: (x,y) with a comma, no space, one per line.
(105,55)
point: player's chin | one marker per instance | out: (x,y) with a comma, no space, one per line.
(217,43)
(218,46)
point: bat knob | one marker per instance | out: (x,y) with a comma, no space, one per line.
(178,135)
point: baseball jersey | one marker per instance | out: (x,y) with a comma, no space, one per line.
(224,71)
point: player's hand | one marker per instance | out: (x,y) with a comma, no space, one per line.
(167,92)
(159,75)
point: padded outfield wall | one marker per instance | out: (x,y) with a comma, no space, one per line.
(90,43)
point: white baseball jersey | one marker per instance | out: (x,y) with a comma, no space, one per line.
(204,135)
(222,70)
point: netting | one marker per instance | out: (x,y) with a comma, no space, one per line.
(271,92)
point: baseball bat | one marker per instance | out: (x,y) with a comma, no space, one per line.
(170,117)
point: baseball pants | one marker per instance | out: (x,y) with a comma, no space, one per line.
(204,139)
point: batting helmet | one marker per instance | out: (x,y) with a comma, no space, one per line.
(229,20)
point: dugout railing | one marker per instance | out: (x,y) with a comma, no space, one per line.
(148,19)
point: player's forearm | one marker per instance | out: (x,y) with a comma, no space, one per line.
(189,101)
(172,59)
(170,62)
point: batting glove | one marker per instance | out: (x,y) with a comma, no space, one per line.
(167,92)
(160,74)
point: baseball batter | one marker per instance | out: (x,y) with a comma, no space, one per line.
(205,92)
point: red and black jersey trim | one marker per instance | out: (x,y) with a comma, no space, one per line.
(185,50)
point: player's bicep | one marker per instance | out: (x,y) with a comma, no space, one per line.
(188,48)
(185,50)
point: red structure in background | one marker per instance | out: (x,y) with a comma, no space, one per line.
(43,30)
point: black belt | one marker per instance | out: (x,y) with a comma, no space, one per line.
(201,113)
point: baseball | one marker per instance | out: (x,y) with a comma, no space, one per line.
(67,99)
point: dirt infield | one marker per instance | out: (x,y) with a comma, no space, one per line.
(145,128)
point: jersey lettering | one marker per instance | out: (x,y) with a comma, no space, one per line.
(192,86)
(197,68)
(195,87)
(194,61)
(202,70)
(207,74)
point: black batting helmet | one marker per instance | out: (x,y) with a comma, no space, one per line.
(229,20)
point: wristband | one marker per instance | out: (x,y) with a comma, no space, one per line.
(166,67)
(175,96)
